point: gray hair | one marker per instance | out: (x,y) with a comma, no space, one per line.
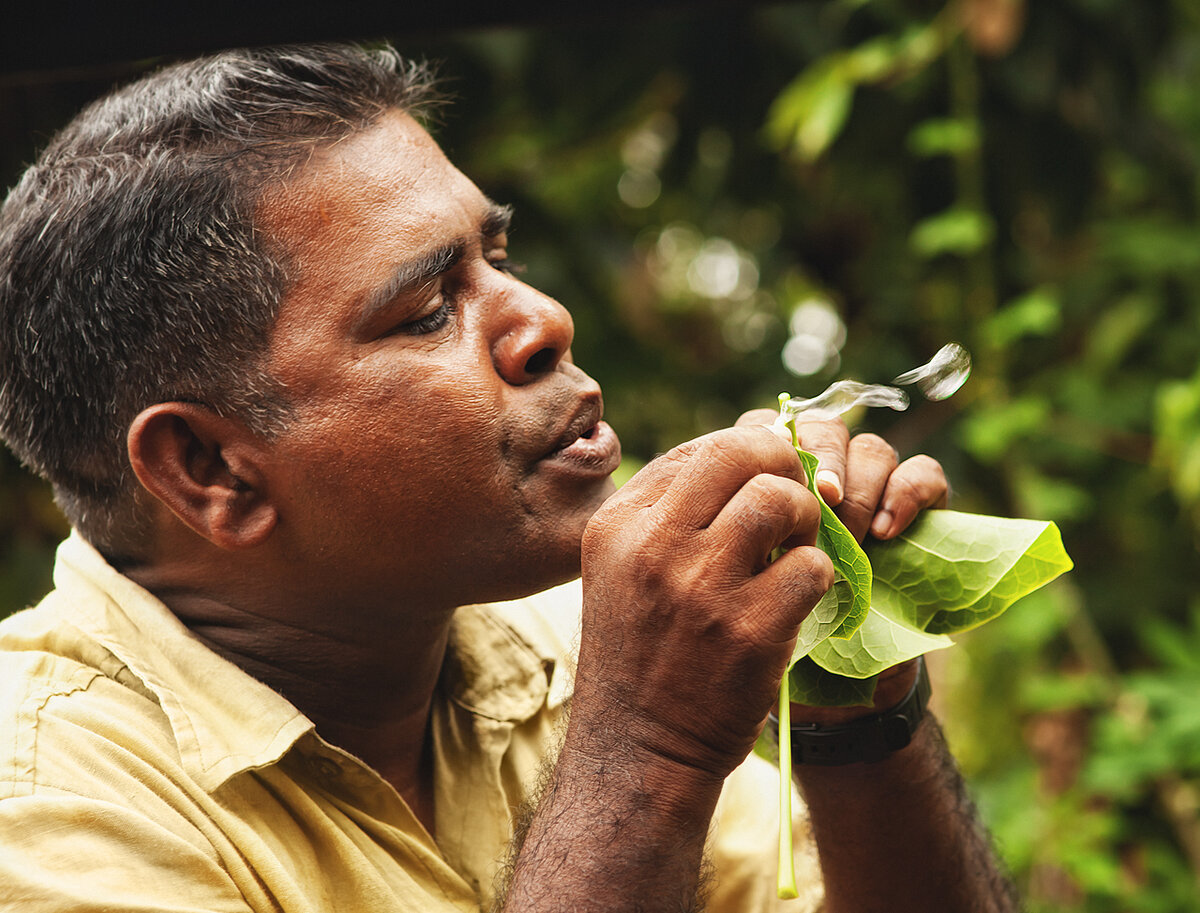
(130,269)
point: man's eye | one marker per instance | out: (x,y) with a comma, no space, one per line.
(430,323)
(505,265)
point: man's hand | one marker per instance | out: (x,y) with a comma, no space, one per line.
(862,478)
(899,835)
(870,490)
(688,626)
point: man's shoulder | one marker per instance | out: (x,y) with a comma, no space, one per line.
(67,703)
(44,654)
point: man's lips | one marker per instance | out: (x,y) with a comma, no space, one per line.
(587,444)
(581,426)
(597,445)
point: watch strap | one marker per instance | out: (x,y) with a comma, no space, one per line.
(868,739)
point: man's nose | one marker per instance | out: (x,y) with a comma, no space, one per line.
(533,336)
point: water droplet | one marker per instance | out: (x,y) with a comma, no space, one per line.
(938,378)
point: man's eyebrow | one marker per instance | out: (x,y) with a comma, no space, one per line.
(497,221)
(409,276)
(412,274)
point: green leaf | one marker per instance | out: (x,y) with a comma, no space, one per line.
(990,434)
(878,644)
(874,60)
(946,573)
(951,571)
(1038,313)
(1115,333)
(825,618)
(944,136)
(1150,245)
(1177,445)
(956,231)
(767,745)
(809,684)
(810,113)
(1051,498)
(849,561)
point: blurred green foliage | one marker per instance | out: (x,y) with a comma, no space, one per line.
(854,183)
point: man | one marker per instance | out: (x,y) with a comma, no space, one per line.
(264,340)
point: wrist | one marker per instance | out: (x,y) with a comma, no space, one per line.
(616,722)
(631,763)
(891,687)
(870,734)
(616,822)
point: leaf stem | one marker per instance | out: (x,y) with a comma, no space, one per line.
(786,885)
(786,879)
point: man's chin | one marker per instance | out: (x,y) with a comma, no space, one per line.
(554,558)
(541,555)
(536,580)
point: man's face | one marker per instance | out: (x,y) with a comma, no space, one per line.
(445,449)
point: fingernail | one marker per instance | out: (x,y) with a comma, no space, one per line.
(882,524)
(828,479)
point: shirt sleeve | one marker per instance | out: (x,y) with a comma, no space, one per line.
(69,854)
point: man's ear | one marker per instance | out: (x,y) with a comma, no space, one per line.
(206,469)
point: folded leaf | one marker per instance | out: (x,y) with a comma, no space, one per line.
(946,573)
(878,644)
(825,618)
(849,560)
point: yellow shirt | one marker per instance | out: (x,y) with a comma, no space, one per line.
(141,771)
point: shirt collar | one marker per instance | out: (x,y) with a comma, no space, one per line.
(504,661)
(224,721)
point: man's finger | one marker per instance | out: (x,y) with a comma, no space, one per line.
(757,417)
(917,483)
(827,440)
(652,480)
(766,512)
(789,589)
(717,465)
(870,461)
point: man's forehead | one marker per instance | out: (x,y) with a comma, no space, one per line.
(391,166)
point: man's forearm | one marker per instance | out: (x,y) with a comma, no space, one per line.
(614,831)
(902,835)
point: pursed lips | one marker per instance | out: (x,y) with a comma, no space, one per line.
(582,425)
(587,446)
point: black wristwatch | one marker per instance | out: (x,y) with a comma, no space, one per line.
(866,740)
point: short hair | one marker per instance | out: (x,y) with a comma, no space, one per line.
(130,269)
